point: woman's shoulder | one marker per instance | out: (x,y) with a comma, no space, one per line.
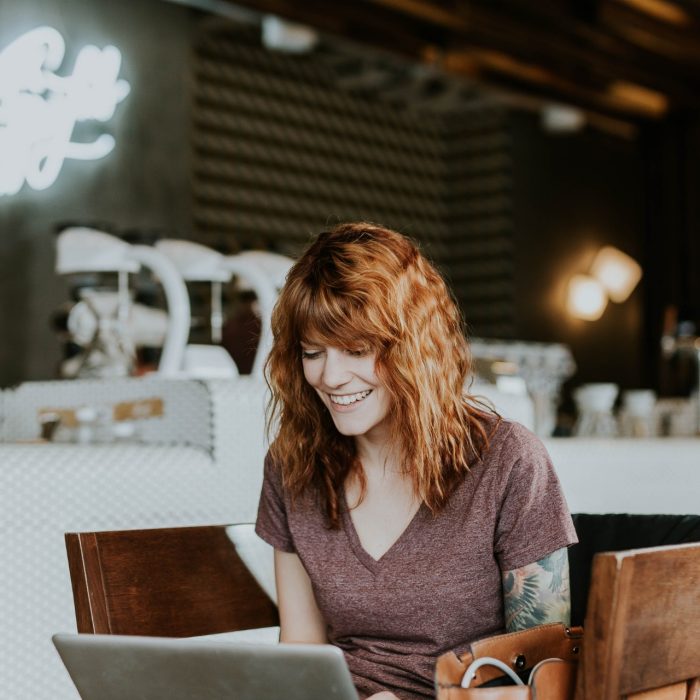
(273,470)
(511,441)
(276,478)
(516,461)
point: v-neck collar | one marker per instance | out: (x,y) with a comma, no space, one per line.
(365,558)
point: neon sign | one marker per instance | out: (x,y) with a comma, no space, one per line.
(39,109)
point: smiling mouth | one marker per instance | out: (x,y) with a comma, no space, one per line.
(348,399)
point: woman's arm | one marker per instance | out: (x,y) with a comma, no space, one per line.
(300,618)
(538,593)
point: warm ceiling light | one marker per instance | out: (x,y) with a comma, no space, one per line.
(587,298)
(617,272)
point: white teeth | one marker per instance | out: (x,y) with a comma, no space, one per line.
(347,399)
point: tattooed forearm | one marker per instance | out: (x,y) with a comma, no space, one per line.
(538,593)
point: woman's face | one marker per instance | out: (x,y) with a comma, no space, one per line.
(349,387)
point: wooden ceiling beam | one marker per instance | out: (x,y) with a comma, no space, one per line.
(500,70)
(668,12)
(564,42)
(541,33)
(429,11)
(579,58)
(680,44)
(575,66)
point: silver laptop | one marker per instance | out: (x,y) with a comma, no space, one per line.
(113,667)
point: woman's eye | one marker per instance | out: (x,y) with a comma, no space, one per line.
(360,352)
(310,354)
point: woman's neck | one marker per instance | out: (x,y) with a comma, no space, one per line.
(383,479)
(377,455)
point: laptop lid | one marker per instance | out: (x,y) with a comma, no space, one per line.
(114,667)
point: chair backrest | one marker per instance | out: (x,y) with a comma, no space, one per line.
(171,582)
(615,532)
(641,625)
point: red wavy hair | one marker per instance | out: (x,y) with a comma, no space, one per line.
(363,285)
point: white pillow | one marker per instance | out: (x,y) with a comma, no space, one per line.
(256,554)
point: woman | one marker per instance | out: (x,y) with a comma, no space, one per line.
(407,520)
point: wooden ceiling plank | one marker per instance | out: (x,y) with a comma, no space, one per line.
(429,11)
(556,46)
(585,54)
(562,41)
(594,78)
(494,67)
(661,10)
(682,45)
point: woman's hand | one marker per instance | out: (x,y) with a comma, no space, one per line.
(384,695)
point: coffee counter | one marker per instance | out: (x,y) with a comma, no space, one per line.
(628,475)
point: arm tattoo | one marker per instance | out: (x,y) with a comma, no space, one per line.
(538,593)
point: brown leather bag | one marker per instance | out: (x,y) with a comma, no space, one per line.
(551,651)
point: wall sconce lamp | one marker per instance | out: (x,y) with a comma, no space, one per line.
(587,298)
(617,272)
(613,276)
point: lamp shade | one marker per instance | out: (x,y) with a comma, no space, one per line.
(617,272)
(586,298)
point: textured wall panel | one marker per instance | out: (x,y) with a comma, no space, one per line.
(283,148)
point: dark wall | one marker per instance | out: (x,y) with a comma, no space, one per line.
(672,236)
(142,184)
(572,195)
(286,146)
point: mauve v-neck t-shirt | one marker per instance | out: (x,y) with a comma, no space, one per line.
(438,587)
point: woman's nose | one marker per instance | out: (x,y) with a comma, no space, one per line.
(335,371)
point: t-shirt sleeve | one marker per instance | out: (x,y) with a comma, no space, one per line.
(271,523)
(534,519)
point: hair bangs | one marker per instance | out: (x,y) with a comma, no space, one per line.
(330,317)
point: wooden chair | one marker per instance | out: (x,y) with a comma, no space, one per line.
(173,582)
(641,638)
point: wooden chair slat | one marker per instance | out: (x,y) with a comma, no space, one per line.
(641,625)
(172,582)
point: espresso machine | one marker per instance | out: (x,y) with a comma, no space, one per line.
(263,272)
(105,324)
